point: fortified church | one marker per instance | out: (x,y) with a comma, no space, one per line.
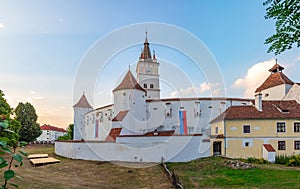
(140,126)
(138,109)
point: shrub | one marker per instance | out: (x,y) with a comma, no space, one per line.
(255,160)
(288,160)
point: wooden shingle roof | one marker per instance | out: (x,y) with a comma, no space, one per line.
(129,82)
(120,116)
(83,102)
(113,134)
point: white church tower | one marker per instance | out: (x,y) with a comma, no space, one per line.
(80,109)
(147,72)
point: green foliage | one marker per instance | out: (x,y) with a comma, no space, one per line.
(69,135)
(10,150)
(286,13)
(257,161)
(5,109)
(26,115)
(9,142)
(288,160)
(65,137)
(71,131)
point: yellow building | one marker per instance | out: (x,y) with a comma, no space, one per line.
(261,130)
(269,127)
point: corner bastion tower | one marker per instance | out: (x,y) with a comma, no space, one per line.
(147,72)
(80,109)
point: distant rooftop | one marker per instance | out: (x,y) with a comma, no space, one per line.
(52,128)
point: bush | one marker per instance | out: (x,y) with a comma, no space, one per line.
(288,160)
(255,160)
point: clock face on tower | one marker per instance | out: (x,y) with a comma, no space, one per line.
(148,70)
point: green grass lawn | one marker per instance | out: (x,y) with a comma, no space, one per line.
(211,173)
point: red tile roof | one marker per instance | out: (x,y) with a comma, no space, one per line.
(129,82)
(83,103)
(269,147)
(271,109)
(52,128)
(273,80)
(113,134)
(121,115)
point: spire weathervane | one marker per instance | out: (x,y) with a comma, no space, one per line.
(146,33)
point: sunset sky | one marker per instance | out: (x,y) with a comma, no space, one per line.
(43,43)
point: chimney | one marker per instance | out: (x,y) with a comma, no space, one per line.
(258,101)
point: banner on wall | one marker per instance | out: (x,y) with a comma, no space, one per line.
(96,128)
(183,122)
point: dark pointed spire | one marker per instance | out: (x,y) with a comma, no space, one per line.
(146,38)
(146,54)
(154,57)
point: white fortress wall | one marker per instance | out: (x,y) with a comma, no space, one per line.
(137,149)
(103,116)
(164,114)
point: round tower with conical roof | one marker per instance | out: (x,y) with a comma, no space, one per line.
(80,109)
(129,96)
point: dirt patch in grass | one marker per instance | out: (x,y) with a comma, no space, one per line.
(86,174)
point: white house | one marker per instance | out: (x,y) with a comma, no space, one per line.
(50,133)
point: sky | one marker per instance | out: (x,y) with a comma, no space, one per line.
(43,45)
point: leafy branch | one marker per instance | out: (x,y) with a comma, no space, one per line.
(287,16)
(5,148)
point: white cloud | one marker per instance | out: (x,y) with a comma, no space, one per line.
(255,76)
(1,25)
(38,97)
(204,89)
(29,97)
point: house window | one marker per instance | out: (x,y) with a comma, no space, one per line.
(297,145)
(280,127)
(145,85)
(217,130)
(246,129)
(151,86)
(297,127)
(246,144)
(281,145)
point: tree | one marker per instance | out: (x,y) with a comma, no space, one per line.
(26,115)
(13,125)
(69,135)
(71,131)
(287,16)
(5,109)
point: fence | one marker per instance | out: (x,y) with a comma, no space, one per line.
(171,176)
